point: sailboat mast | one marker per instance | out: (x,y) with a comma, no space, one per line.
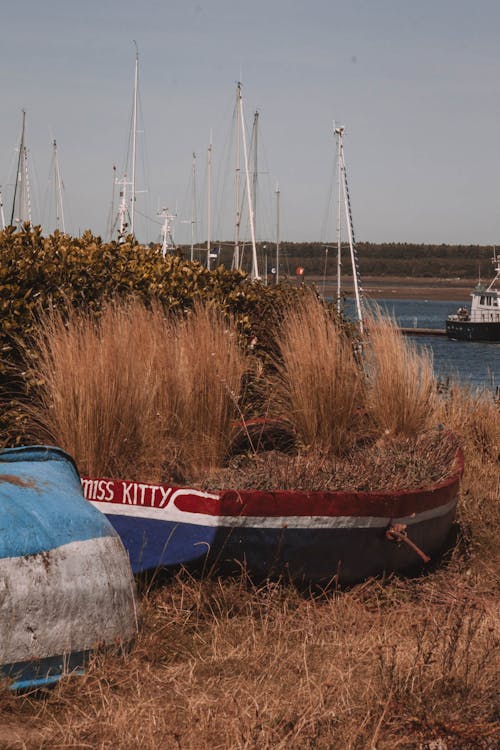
(123,209)
(277,234)
(209,207)
(255,267)
(236,253)
(350,232)
(58,186)
(134,138)
(255,165)
(193,210)
(339,132)
(19,173)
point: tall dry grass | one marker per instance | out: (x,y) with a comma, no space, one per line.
(401,388)
(336,397)
(320,387)
(474,417)
(137,392)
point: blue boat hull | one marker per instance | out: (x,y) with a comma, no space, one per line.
(65,581)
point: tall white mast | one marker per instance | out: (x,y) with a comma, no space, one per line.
(358,290)
(123,209)
(134,139)
(255,166)
(58,188)
(209,207)
(339,132)
(194,217)
(277,278)
(237,174)
(167,244)
(22,183)
(255,267)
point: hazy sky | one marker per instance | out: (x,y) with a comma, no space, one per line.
(417,85)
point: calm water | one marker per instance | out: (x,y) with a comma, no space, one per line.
(475,363)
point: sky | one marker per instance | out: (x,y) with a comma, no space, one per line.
(416,85)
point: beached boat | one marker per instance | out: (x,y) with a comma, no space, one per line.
(65,580)
(482,322)
(305,536)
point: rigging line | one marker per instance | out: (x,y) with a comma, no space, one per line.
(18,170)
(148,218)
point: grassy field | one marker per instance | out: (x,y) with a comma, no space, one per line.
(390,663)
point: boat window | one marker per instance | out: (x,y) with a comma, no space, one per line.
(481,301)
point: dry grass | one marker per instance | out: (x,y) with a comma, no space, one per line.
(227,665)
(137,392)
(223,664)
(401,387)
(408,463)
(320,384)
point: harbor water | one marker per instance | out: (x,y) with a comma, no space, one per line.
(473,363)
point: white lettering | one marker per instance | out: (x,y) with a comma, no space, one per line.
(165,493)
(87,488)
(126,493)
(143,488)
(153,493)
(101,490)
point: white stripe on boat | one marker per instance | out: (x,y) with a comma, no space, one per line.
(172,514)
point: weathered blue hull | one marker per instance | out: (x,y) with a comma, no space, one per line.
(65,580)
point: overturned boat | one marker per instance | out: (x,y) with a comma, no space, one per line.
(316,537)
(66,585)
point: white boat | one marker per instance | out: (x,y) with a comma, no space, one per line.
(482,321)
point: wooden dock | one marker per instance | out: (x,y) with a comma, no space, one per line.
(423,331)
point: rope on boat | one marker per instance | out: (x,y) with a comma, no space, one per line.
(397,532)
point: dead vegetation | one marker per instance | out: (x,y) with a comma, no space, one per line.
(224,664)
(408,463)
(137,390)
(390,663)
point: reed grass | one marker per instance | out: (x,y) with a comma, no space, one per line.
(137,392)
(401,388)
(319,387)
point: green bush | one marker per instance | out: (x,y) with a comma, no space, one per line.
(38,273)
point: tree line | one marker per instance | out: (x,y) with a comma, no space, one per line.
(379,259)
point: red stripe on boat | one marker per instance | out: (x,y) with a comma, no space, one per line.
(280,503)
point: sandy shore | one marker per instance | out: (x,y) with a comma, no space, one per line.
(399,287)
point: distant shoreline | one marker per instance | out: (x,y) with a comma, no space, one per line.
(398,287)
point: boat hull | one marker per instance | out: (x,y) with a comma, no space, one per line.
(65,580)
(312,537)
(467,331)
